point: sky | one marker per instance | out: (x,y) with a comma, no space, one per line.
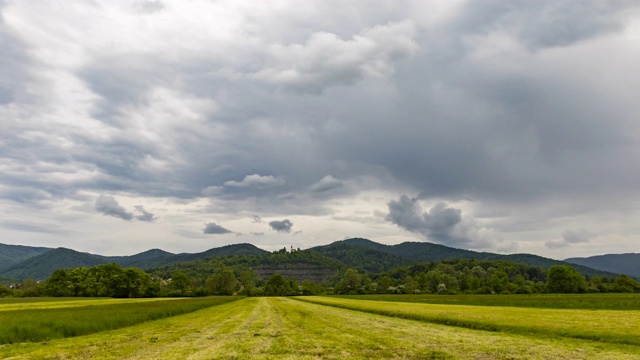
(501,126)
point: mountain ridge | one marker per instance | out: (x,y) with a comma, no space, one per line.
(359,253)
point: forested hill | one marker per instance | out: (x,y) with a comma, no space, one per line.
(361,254)
(419,252)
(13,254)
(628,264)
(39,267)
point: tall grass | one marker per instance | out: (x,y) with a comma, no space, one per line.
(612,326)
(546,301)
(46,324)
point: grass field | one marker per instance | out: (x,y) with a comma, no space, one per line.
(613,301)
(39,321)
(613,326)
(284,328)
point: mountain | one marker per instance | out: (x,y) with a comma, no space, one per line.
(39,267)
(428,252)
(628,264)
(370,256)
(324,261)
(13,254)
(144,260)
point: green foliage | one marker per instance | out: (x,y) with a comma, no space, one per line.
(46,324)
(277,286)
(565,279)
(222,282)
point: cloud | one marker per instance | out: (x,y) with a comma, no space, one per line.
(281,225)
(325,184)
(443,224)
(257,181)
(144,215)
(326,60)
(215,229)
(107,205)
(570,237)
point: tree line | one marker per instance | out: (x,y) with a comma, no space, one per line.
(447,277)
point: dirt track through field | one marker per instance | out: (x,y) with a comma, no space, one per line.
(282,328)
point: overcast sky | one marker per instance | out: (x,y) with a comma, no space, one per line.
(503,126)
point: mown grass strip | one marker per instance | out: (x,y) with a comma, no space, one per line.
(616,327)
(545,301)
(56,303)
(45,324)
(285,329)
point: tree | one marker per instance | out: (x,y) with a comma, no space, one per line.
(565,279)
(81,281)
(624,283)
(180,283)
(222,281)
(58,284)
(349,282)
(136,281)
(277,285)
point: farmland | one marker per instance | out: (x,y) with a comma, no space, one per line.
(287,328)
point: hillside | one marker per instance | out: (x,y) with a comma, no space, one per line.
(41,266)
(299,265)
(13,254)
(370,257)
(628,264)
(428,252)
(327,260)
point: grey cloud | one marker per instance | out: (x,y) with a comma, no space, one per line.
(144,215)
(281,225)
(442,224)
(327,183)
(107,205)
(510,104)
(215,229)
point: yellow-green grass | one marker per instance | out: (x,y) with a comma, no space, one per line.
(613,326)
(282,328)
(614,301)
(57,303)
(52,323)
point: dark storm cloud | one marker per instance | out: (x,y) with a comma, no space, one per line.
(442,224)
(509,104)
(281,225)
(215,229)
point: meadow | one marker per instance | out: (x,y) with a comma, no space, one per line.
(608,301)
(46,320)
(288,328)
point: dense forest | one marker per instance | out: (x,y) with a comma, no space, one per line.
(236,274)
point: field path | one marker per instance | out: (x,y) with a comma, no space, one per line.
(282,328)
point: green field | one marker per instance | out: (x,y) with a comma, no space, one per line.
(287,328)
(612,301)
